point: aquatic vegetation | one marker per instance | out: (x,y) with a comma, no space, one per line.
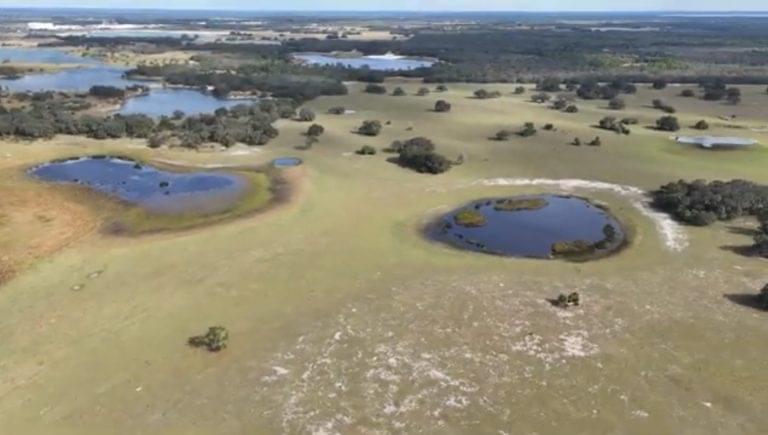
(469,218)
(518,204)
(214,340)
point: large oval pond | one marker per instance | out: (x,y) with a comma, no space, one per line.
(152,188)
(542,226)
(166,101)
(387,62)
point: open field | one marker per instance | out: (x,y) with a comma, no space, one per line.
(343,319)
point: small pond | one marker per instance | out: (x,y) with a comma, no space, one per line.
(165,101)
(542,226)
(152,188)
(286,162)
(71,80)
(387,62)
(716,141)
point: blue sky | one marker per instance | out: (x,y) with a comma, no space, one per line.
(414,5)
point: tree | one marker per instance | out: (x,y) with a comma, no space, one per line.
(502,135)
(422,92)
(610,123)
(178,114)
(370,128)
(442,106)
(315,130)
(596,142)
(667,123)
(733,95)
(398,92)
(617,104)
(214,340)
(306,115)
(419,154)
(688,93)
(659,84)
(441,88)
(549,84)
(519,90)
(337,110)
(540,98)
(571,109)
(100,91)
(483,94)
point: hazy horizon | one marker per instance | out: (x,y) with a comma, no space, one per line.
(442,6)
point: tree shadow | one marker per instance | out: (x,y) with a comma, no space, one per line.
(750,300)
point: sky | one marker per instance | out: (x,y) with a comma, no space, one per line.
(409,5)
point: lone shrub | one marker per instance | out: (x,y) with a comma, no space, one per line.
(484,94)
(306,115)
(667,123)
(617,104)
(527,130)
(366,150)
(315,130)
(374,88)
(442,106)
(337,110)
(398,92)
(688,93)
(701,125)
(565,301)
(370,128)
(214,340)
(422,92)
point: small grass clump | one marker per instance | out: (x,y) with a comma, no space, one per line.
(470,218)
(565,301)
(214,340)
(520,204)
(569,248)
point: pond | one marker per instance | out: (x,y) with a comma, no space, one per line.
(41,55)
(71,80)
(387,62)
(541,226)
(166,101)
(716,141)
(154,189)
(286,162)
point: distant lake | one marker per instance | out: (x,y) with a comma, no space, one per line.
(166,101)
(41,55)
(387,62)
(72,80)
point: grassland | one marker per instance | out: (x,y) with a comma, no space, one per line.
(342,318)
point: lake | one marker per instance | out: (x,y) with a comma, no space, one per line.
(165,101)
(387,62)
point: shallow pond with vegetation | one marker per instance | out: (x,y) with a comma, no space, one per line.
(542,226)
(155,189)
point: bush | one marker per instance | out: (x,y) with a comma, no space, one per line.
(688,93)
(441,88)
(366,150)
(549,84)
(519,90)
(701,125)
(528,130)
(540,98)
(482,94)
(442,106)
(617,104)
(370,128)
(565,301)
(374,88)
(337,110)
(398,92)
(596,142)
(315,130)
(502,135)
(629,121)
(571,109)
(610,123)
(306,115)
(214,340)
(667,123)
(422,92)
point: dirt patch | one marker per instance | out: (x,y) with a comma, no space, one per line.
(36,222)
